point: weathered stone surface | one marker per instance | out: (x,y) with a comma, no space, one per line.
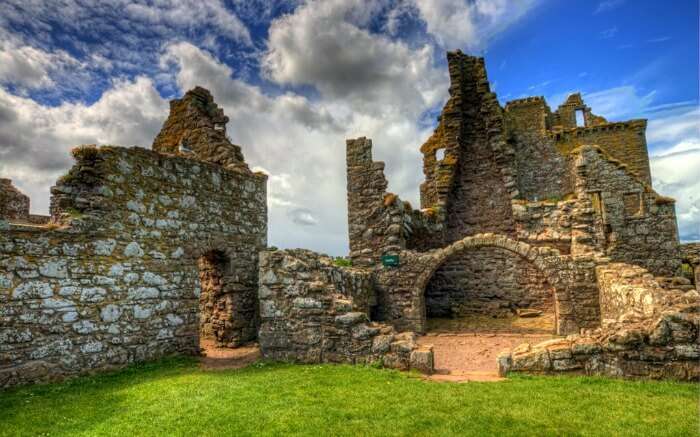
(328,319)
(116,279)
(14,205)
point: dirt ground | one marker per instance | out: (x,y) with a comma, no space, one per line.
(466,349)
(220,358)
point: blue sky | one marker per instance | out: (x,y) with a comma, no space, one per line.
(297,78)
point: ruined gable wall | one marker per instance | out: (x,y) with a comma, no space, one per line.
(197,126)
(637,225)
(14,205)
(118,282)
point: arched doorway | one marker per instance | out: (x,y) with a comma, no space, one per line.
(484,279)
(489,289)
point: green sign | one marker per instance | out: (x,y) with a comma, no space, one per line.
(390,260)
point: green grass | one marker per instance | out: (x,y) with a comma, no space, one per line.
(174,397)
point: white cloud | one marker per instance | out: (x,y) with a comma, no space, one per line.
(676,175)
(470,24)
(300,143)
(322,44)
(674,126)
(35,139)
(674,139)
(29,67)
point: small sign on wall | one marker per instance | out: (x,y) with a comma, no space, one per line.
(390,260)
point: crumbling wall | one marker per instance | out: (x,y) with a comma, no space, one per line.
(690,254)
(14,205)
(115,279)
(379,223)
(636,225)
(315,312)
(655,334)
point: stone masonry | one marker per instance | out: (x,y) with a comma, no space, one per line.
(521,208)
(117,278)
(148,252)
(314,312)
(14,205)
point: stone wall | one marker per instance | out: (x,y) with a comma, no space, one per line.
(401,290)
(14,205)
(114,279)
(543,172)
(545,223)
(490,281)
(315,312)
(634,224)
(690,254)
(658,340)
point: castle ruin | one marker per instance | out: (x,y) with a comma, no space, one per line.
(154,252)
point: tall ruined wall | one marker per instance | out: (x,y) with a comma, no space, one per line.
(116,281)
(379,223)
(374,219)
(475,181)
(634,224)
(14,205)
(315,312)
(197,126)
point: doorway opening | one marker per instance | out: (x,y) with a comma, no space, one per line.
(228,314)
(481,302)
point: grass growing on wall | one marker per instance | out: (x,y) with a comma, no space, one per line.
(175,398)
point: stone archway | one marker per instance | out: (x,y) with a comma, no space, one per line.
(401,290)
(489,289)
(544,259)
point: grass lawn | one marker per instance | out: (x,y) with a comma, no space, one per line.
(174,397)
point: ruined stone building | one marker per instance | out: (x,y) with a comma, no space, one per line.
(523,207)
(154,252)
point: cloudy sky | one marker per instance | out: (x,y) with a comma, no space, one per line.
(298,78)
